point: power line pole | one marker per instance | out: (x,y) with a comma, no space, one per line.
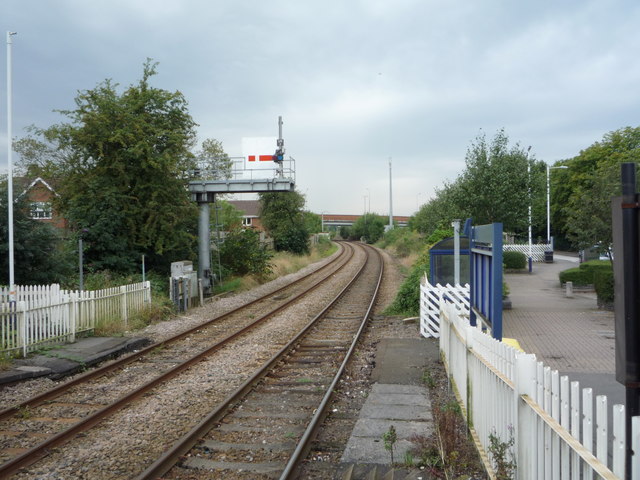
(390,197)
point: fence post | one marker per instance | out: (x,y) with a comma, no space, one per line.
(524,422)
(73,315)
(123,304)
(21,318)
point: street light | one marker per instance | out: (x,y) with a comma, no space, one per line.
(548,201)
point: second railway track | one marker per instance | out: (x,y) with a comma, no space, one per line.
(52,416)
(263,429)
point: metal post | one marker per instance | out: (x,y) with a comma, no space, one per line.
(548,209)
(529,196)
(626,239)
(204,263)
(12,284)
(390,197)
(143,271)
(456,252)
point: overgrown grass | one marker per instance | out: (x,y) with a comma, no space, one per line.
(157,311)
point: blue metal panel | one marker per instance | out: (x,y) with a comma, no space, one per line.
(486,277)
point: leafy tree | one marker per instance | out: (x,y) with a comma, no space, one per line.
(228,217)
(38,155)
(124,158)
(242,253)
(40,256)
(593,177)
(369,226)
(495,184)
(494,187)
(213,157)
(313,222)
(282,216)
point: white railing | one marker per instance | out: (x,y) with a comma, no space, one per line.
(508,394)
(430,299)
(537,250)
(47,314)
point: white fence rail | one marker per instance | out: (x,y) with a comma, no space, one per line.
(430,298)
(47,314)
(508,394)
(537,250)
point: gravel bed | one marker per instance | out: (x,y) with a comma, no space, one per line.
(130,440)
(13,394)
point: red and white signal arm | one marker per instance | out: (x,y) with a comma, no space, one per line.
(258,152)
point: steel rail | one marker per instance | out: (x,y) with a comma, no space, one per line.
(309,434)
(98,372)
(43,449)
(170,457)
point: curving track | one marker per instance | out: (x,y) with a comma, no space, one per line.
(264,428)
(31,430)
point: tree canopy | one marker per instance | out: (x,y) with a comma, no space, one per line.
(123,159)
(498,184)
(283,217)
(582,193)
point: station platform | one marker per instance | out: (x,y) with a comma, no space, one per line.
(61,360)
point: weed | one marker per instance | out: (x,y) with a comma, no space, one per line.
(504,462)
(289,435)
(428,379)
(24,412)
(390,438)
(408,459)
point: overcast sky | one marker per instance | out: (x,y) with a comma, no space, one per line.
(357,82)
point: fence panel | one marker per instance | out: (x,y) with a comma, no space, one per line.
(430,300)
(537,250)
(508,395)
(47,314)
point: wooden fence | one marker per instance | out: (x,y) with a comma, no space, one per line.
(509,395)
(537,250)
(430,298)
(47,314)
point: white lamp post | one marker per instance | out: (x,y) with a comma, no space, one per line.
(549,202)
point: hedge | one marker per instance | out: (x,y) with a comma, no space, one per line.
(585,273)
(514,260)
(603,283)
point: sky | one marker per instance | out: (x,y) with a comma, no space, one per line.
(359,83)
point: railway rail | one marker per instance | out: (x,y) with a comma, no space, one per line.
(32,429)
(264,428)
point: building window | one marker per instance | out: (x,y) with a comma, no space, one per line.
(41,210)
(246,221)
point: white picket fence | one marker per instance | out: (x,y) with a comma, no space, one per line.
(508,394)
(46,314)
(537,250)
(430,298)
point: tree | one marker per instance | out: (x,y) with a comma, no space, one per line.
(369,226)
(593,177)
(495,185)
(312,222)
(39,253)
(125,160)
(213,157)
(282,215)
(241,253)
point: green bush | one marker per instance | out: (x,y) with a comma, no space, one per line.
(514,260)
(603,283)
(585,273)
(241,253)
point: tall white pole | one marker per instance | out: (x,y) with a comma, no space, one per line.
(548,209)
(390,197)
(12,285)
(529,190)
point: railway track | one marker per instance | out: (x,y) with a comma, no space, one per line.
(31,430)
(263,429)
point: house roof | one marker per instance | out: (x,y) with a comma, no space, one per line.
(28,187)
(249,208)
